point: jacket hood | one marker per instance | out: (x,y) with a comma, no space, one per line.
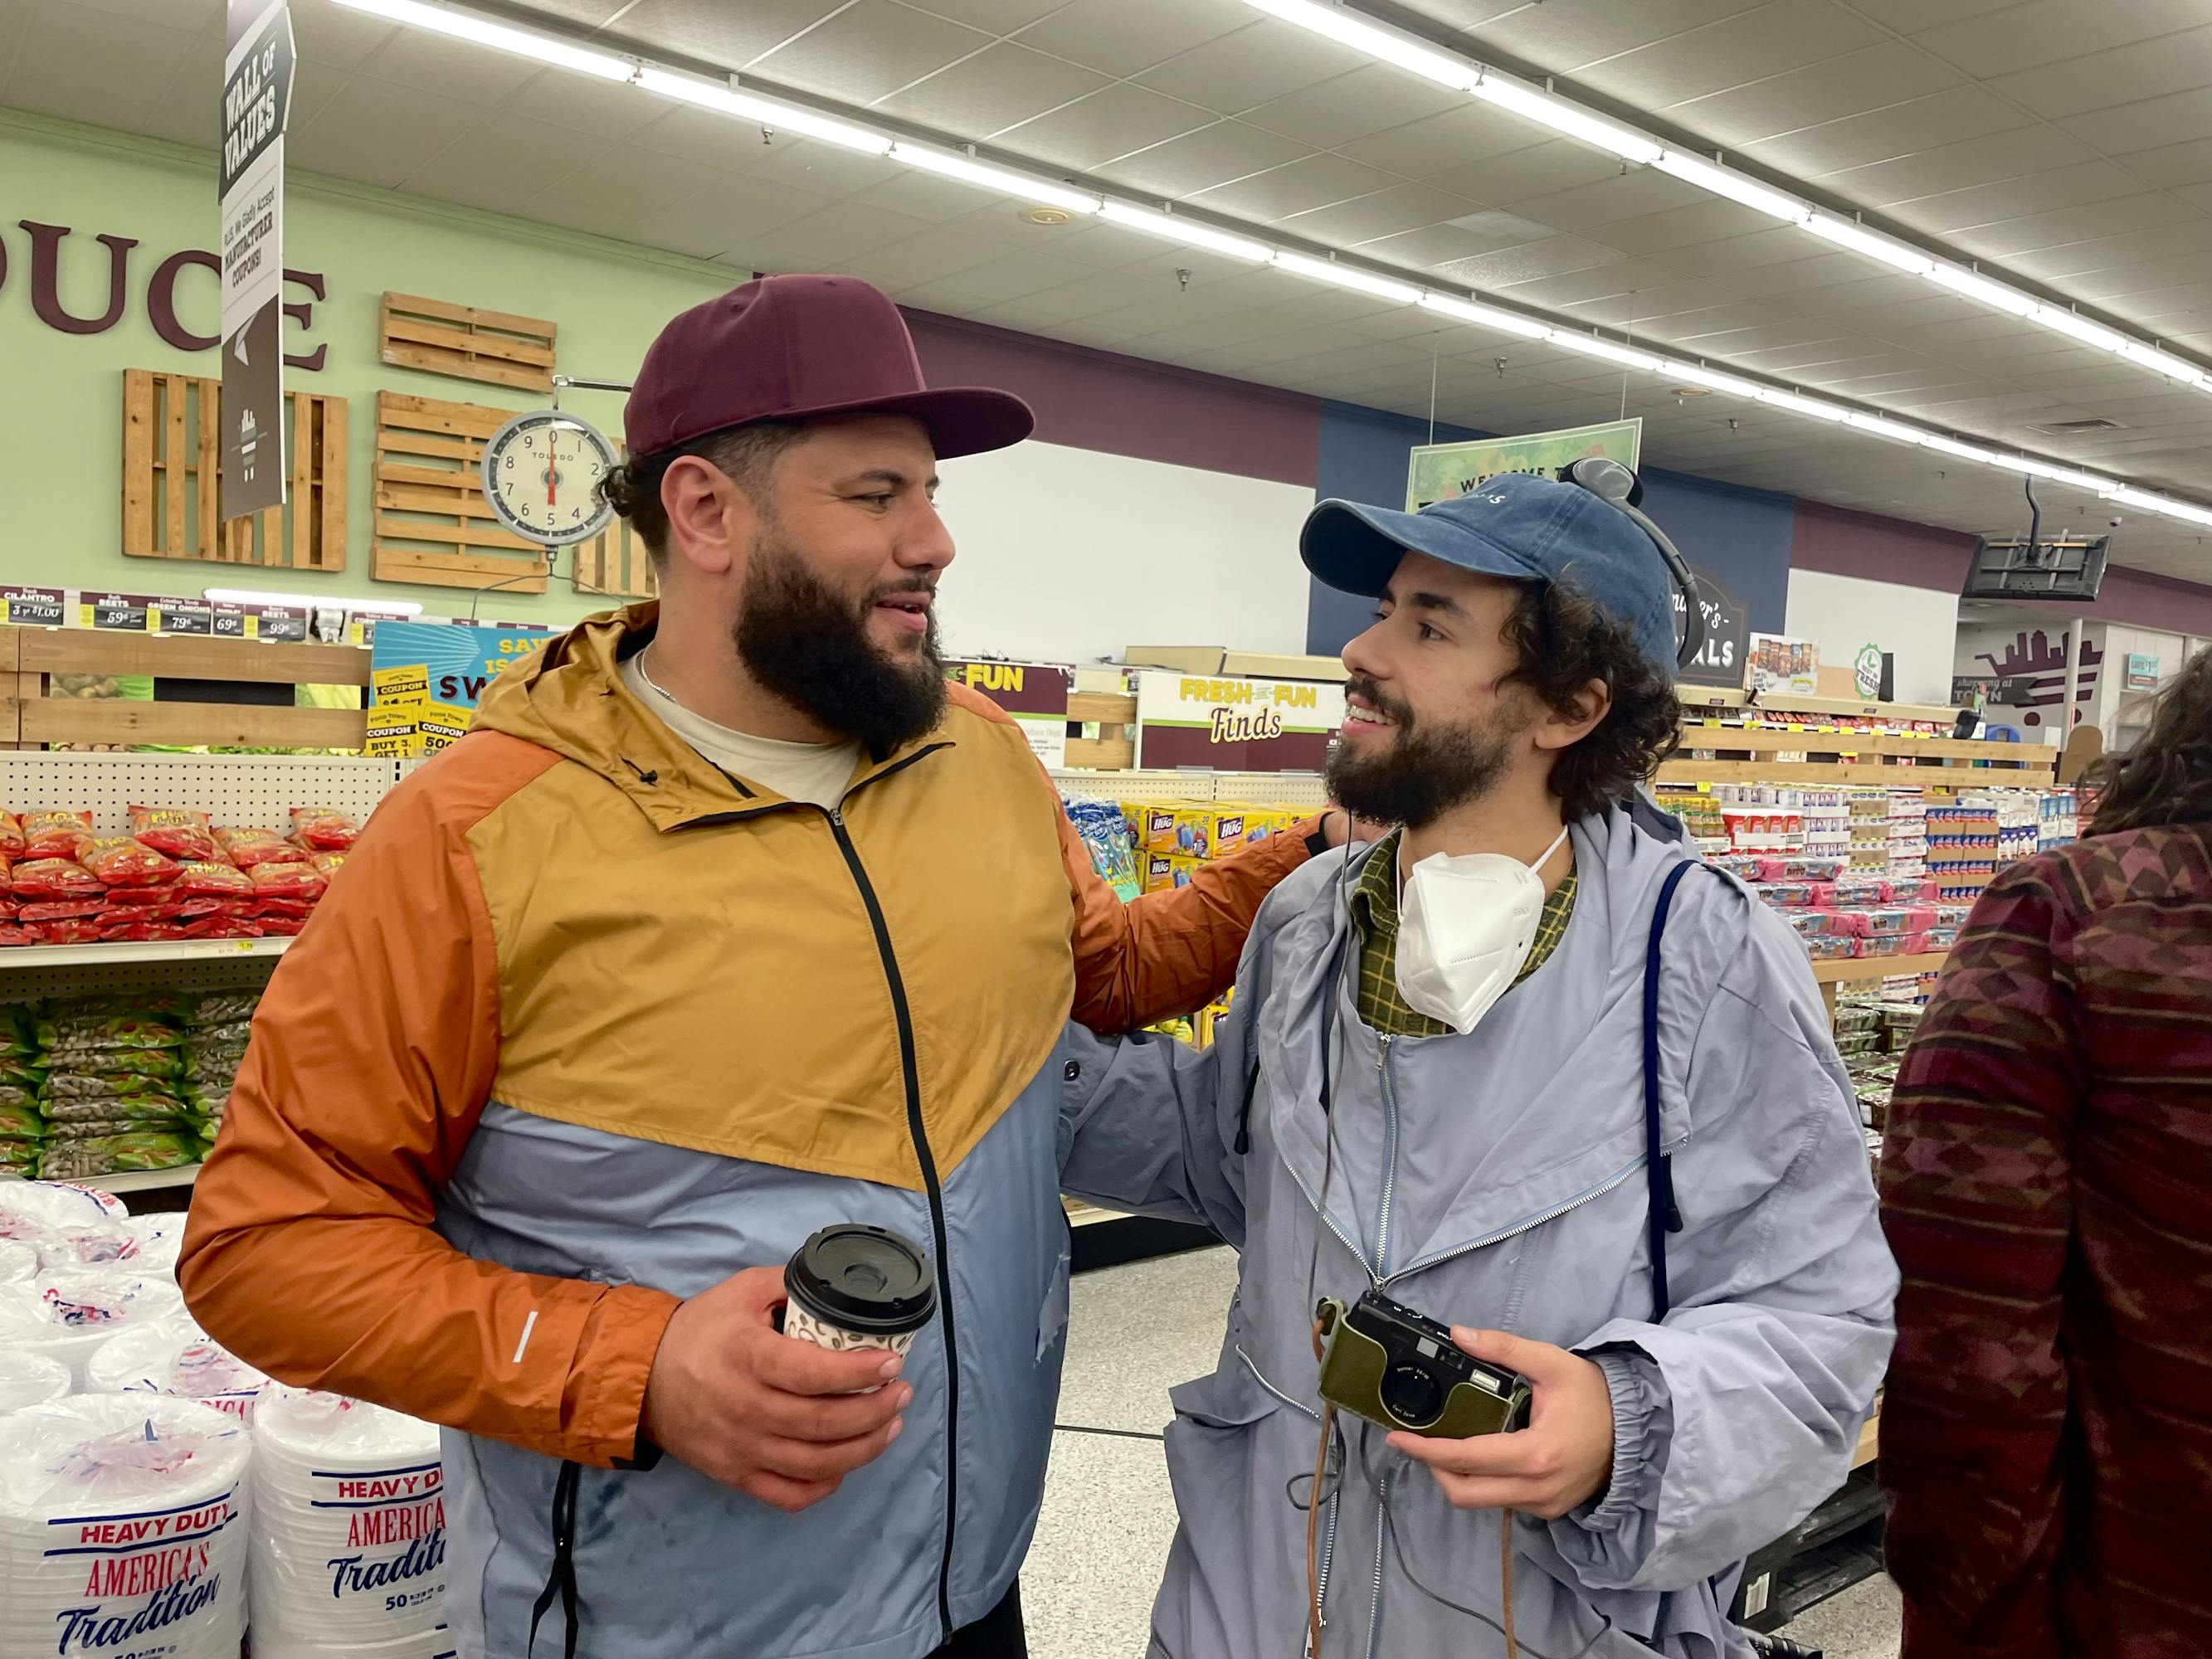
(568,697)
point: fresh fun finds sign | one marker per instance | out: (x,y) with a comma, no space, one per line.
(1236,725)
(1034,694)
(257,96)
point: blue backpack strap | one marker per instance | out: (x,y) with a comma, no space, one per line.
(1665,1217)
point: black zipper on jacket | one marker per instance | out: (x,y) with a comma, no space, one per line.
(910,1070)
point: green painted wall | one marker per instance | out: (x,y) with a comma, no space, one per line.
(61,395)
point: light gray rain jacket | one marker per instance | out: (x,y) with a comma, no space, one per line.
(1497,1180)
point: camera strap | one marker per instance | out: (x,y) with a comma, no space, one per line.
(1665,1217)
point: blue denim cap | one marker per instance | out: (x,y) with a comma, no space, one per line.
(1518,525)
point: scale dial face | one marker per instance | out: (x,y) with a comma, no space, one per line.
(541,476)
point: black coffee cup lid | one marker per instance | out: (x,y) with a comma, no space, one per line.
(864,1279)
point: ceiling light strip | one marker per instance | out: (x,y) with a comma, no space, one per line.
(1341,22)
(1344,274)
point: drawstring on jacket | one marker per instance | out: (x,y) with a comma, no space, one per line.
(561,1581)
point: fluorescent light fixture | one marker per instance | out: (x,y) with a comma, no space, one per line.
(307,602)
(1797,406)
(2065,475)
(1736,186)
(1175,227)
(1712,379)
(1482,316)
(1859,239)
(1348,27)
(1936,441)
(1352,277)
(1597,345)
(1563,117)
(2061,321)
(2129,496)
(768,111)
(1981,289)
(500,37)
(1895,431)
(969,171)
(2172,368)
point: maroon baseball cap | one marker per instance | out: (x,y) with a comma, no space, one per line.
(796,348)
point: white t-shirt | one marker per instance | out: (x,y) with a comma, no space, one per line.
(815,772)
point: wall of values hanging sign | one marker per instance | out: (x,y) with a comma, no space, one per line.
(1234,725)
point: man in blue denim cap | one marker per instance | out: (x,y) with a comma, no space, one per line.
(1526,1069)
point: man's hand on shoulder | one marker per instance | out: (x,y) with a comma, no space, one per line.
(780,1420)
(1561,1461)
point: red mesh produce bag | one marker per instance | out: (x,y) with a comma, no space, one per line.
(177,832)
(291,881)
(55,834)
(323,828)
(124,861)
(51,879)
(248,848)
(206,877)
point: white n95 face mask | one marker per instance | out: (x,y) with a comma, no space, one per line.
(1467,922)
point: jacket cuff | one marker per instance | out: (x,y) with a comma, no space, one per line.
(1640,1420)
(605,1396)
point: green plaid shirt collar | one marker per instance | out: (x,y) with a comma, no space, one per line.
(1375,914)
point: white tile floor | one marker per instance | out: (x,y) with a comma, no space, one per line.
(1133,1332)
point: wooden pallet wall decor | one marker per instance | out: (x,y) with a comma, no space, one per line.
(440,337)
(171,488)
(614,562)
(433,525)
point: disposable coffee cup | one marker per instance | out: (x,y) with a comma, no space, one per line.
(852,1286)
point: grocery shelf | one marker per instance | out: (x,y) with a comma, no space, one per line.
(39,956)
(1845,971)
(139,1181)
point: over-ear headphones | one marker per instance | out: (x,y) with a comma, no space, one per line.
(1610,481)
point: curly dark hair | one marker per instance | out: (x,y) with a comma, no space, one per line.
(1564,641)
(2166,778)
(745,454)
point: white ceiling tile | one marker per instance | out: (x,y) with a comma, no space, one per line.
(1522,175)
(1121,37)
(1706,223)
(1769,40)
(1466,132)
(997,87)
(1880,134)
(1383,213)
(1632,194)
(510,160)
(76,63)
(992,16)
(1263,61)
(1297,187)
(1553,256)
(452,68)
(1431,248)
(870,49)
(719,32)
(2047,31)
(2053,188)
(833,236)
(641,180)
(591,13)
(2171,165)
(602,108)
(1201,159)
(1563,36)
(2011,154)
(1114,121)
(2148,124)
(193,17)
(2006,238)
(378,131)
(823,169)
(1834,89)
(1368,100)
(2123,75)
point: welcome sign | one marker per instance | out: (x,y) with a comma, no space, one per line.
(1236,725)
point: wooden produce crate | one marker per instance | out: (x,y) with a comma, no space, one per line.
(33,717)
(1114,748)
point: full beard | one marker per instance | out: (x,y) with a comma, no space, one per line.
(809,645)
(1427,770)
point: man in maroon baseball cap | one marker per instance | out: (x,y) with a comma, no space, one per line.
(728,922)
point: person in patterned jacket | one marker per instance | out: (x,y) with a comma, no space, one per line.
(2047,1442)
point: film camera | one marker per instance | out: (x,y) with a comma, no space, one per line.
(1401,1369)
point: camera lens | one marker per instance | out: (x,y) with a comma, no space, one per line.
(1411,1396)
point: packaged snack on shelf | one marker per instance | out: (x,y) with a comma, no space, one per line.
(55,834)
(1104,831)
(11,837)
(323,828)
(126,861)
(61,910)
(1793,895)
(87,932)
(1862,890)
(176,832)
(77,1032)
(1152,824)
(290,909)
(1210,832)
(247,846)
(1806,923)
(20,1158)
(50,880)
(1166,870)
(222,1010)
(1800,868)
(20,1124)
(327,864)
(210,877)
(297,881)
(120,1154)
(1849,1043)
(232,928)
(1826,947)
